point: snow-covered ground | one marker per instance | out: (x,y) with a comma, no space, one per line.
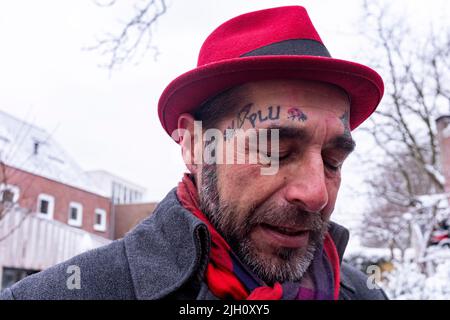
(408,280)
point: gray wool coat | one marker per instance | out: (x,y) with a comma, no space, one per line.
(164,257)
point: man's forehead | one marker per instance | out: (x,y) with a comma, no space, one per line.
(266,100)
(293,89)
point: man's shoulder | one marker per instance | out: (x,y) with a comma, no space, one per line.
(154,260)
(102,273)
(355,285)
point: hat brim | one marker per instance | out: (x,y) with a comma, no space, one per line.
(187,92)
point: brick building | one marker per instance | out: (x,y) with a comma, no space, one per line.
(127,216)
(54,200)
(39,176)
(50,208)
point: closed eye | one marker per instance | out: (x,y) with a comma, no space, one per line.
(332,166)
(284,156)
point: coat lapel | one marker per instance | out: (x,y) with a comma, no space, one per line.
(166,249)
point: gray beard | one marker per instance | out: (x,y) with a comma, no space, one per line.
(286,264)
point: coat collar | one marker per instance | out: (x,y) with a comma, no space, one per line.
(171,246)
(165,249)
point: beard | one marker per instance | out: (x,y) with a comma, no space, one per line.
(235,225)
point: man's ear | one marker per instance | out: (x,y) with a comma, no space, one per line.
(186,139)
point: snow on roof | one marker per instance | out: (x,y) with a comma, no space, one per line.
(30,148)
(106,179)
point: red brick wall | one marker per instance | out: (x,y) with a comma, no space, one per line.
(31,186)
(444,143)
(129,215)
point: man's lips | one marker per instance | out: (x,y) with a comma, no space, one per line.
(282,236)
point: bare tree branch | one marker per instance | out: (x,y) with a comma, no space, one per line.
(403,128)
(135,36)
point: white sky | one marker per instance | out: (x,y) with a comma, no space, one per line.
(111,123)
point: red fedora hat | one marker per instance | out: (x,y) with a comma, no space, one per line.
(267,44)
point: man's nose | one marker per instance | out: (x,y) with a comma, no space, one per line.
(307,186)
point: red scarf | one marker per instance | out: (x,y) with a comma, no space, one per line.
(219,276)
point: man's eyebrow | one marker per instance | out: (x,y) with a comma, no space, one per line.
(287,132)
(343,142)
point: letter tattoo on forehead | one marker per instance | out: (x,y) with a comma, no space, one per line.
(345,119)
(244,114)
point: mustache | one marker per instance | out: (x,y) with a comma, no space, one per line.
(286,215)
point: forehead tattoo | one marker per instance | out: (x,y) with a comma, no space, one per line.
(245,114)
(295,113)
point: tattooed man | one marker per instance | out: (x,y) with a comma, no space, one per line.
(264,124)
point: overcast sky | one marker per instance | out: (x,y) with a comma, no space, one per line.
(111,123)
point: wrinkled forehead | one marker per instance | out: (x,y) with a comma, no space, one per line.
(302,91)
(265,100)
(320,98)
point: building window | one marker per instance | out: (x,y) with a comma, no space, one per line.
(13,275)
(117,192)
(100,220)
(75,214)
(46,205)
(9,194)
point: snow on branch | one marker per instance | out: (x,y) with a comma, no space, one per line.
(435,173)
